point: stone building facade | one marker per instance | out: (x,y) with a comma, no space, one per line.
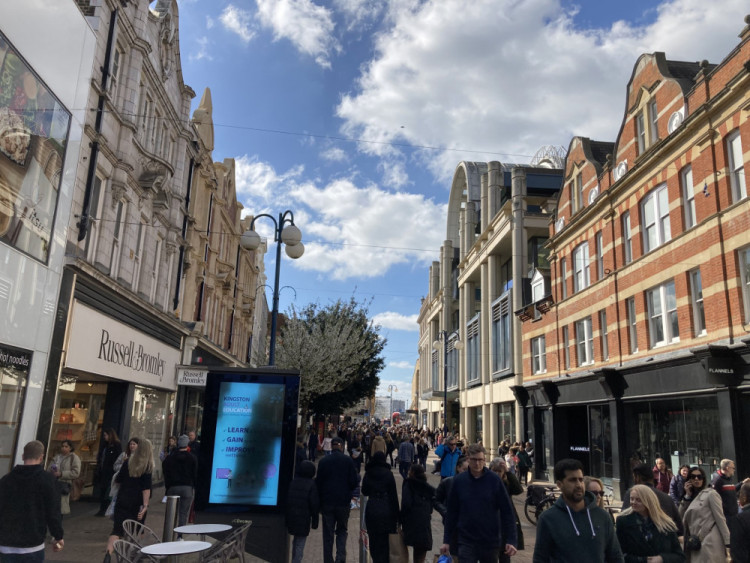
(497,225)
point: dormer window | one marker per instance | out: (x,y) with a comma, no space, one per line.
(653,117)
(646,123)
(640,132)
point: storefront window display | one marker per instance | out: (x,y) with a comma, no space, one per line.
(78,415)
(600,445)
(152,418)
(193,409)
(506,422)
(678,430)
(14,374)
(33,137)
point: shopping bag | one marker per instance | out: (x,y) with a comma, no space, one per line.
(397,551)
(77,489)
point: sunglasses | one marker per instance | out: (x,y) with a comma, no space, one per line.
(697,476)
(598,493)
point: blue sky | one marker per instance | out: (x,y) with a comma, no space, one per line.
(355,113)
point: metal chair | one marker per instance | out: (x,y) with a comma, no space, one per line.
(238,536)
(220,552)
(127,552)
(139,534)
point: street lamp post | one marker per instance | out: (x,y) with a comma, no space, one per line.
(285,232)
(458,345)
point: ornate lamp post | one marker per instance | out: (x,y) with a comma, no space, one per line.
(285,232)
(458,345)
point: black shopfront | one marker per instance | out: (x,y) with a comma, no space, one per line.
(688,410)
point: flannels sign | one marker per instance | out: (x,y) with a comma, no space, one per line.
(99,344)
(130,356)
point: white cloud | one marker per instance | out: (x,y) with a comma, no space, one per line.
(349,231)
(401,365)
(209,22)
(359,14)
(237,21)
(308,26)
(334,154)
(202,52)
(509,76)
(397,321)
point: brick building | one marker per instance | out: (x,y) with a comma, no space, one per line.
(644,351)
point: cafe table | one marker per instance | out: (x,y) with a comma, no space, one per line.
(173,549)
(202,529)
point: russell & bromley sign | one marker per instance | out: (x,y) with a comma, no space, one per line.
(100,344)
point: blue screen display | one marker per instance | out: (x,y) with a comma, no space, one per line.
(247,448)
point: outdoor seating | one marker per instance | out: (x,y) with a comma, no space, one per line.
(127,552)
(233,545)
(139,534)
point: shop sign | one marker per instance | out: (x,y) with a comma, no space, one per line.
(722,371)
(100,344)
(191,376)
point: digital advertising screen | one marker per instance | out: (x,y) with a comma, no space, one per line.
(248,438)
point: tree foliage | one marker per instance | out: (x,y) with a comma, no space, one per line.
(337,350)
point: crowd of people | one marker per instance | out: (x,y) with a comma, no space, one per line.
(666,517)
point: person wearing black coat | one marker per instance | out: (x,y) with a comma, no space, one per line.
(417,502)
(739,529)
(109,451)
(381,512)
(312,445)
(302,507)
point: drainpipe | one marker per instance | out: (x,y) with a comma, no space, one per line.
(176,301)
(83,223)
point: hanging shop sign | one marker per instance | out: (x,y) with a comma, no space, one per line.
(191,377)
(102,345)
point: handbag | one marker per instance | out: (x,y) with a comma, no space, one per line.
(397,551)
(77,489)
(692,543)
(63,487)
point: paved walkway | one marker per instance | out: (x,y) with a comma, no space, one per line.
(86,535)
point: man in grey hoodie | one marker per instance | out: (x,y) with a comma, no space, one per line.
(575,528)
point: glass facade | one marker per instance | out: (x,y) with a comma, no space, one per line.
(152,418)
(14,374)
(506,421)
(600,444)
(678,430)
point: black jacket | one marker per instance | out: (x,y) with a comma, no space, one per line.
(417,501)
(728,493)
(739,534)
(442,494)
(639,539)
(29,505)
(381,512)
(302,504)
(337,477)
(105,461)
(180,468)
(665,502)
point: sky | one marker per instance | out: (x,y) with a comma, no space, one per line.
(354,115)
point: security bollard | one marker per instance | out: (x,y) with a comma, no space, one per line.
(170,518)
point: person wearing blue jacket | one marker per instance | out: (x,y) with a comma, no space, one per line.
(448,453)
(475,494)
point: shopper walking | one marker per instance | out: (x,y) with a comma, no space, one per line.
(645,531)
(134,478)
(417,502)
(703,518)
(302,507)
(381,511)
(180,475)
(722,484)
(677,484)
(406,456)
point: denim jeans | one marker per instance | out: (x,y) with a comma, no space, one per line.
(32,557)
(469,553)
(298,548)
(335,520)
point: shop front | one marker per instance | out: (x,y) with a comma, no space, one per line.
(614,419)
(113,376)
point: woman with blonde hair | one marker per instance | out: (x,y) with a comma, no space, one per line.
(645,531)
(134,495)
(596,486)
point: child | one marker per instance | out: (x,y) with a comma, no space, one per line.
(302,508)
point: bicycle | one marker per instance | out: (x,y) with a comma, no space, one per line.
(538,499)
